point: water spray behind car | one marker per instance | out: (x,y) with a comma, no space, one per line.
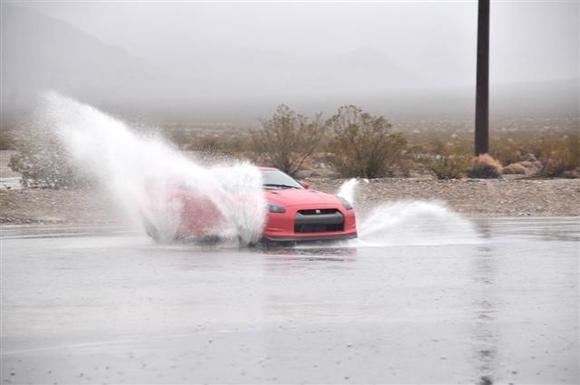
(406,222)
(146,175)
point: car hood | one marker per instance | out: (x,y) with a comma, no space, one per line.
(297,197)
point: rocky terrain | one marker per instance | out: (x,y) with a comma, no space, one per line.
(511,195)
(473,197)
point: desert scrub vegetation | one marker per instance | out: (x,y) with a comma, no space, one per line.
(561,158)
(486,167)
(362,145)
(446,156)
(213,145)
(6,139)
(288,139)
(352,143)
(557,154)
(365,146)
(448,161)
(452,166)
(528,153)
(43,161)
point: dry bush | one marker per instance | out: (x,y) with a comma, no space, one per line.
(209,144)
(562,158)
(540,153)
(446,160)
(6,139)
(515,169)
(557,151)
(213,144)
(513,147)
(362,145)
(180,138)
(288,139)
(43,161)
(452,166)
(485,166)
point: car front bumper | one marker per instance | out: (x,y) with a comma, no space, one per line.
(310,238)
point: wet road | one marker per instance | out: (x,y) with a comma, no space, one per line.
(108,306)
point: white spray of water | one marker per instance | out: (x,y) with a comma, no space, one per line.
(347,190)
(408,223)
(140,171)
(414,223)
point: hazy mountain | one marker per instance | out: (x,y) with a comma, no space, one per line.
(40,53)
(186,76)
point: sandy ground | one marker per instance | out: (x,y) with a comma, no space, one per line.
(503,197)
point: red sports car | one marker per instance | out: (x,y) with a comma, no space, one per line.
(294,213)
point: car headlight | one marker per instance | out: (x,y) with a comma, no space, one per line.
(346,204)
(276,209)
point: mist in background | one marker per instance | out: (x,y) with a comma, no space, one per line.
(234,62)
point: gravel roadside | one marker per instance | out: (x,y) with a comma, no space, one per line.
(473,197)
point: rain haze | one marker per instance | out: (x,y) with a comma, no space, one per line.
(237,61)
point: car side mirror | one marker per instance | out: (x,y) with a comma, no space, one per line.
(304,184)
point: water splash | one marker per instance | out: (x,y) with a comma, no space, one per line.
(407,222)
(142,172)
(347,190)
(414,223)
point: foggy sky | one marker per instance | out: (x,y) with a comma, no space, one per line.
(215,51)
(530,40)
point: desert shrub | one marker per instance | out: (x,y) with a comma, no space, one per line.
(561,158)
(225,147)
(209,144)
(288,139)
(513,147)
(542,152)
(180,138)
(449,166)
(485,166)
(187,140)
(238,145)
(362,145)
(445,156)
(515,168)
(43,162)
(235,144)
(6,139)
(508,150)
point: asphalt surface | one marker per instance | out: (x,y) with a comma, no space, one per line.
(86,305)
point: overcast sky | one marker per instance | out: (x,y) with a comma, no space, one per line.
(396,57)
(531,40)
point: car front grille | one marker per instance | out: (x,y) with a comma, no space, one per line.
(318,221)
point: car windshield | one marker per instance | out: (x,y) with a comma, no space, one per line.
(277,179)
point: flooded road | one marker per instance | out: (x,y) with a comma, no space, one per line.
(85,305)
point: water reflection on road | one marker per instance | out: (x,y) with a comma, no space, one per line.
(86,306)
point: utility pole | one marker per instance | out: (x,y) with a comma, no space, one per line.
(482,87)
